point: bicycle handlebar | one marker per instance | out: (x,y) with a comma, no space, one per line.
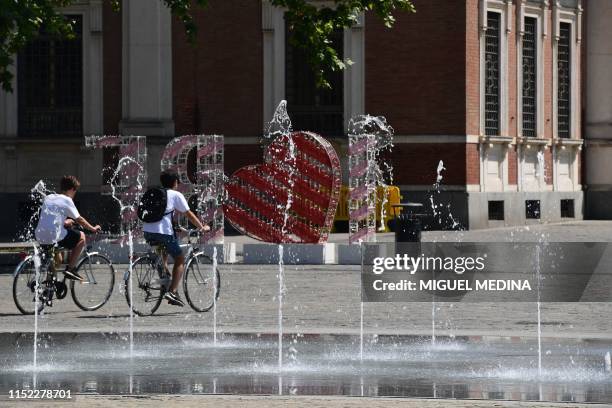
(189,231)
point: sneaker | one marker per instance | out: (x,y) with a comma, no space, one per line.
(174,299)
(74,275)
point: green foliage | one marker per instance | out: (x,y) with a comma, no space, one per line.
(20,21)
(311,25)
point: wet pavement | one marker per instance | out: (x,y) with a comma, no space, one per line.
(391,366)
(265,401)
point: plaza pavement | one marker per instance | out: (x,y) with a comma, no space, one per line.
(226,401)
(326,299)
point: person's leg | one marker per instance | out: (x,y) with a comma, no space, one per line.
(174,250)
(75,241)
(177,272)
(165,260)
(76,251)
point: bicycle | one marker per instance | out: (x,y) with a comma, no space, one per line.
(90,294)
(152,279)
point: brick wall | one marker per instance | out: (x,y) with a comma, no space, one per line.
(415,72)
(237,156)
(472,67)
(512,165)
(472,95)
(218,84)
(112,48)
(548,166)
(472,163)
(416,163)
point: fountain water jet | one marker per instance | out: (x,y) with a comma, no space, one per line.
(214,272)
(36,302)
(280,318)
(369,138)
(130,285)
(361,334)
(280,127)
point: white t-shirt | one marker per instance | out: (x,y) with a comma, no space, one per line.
(176,201)
(55,209)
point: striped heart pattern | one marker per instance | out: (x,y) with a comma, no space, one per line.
(291,197)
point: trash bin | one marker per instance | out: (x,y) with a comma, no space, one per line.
(407,224)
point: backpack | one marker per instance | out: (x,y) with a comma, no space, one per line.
(152,205)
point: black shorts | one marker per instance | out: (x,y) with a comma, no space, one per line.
(70,240)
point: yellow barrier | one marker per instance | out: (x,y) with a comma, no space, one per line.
(394,197)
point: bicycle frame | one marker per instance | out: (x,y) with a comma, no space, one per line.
(44,267)
(91,279)
(200,279)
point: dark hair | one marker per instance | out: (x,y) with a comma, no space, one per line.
(69,183)
(168,178)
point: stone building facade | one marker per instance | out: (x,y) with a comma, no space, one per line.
(496,89)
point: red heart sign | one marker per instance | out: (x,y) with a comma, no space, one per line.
(292,196)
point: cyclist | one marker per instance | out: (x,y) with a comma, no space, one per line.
(57,217)
(162,232)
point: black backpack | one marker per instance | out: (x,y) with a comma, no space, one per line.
(152,205)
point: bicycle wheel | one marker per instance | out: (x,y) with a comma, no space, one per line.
(147,289)
(24,285)
(199,283)
(98,281)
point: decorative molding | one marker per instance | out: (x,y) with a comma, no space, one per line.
(555,11)
(483,15)
(579,11)
(508,16)
(409,139)
(533,141)
(571,147)
(443,187)
(95,16)
(520,20)
(545,6)
(267,16)
(497,140)
(568,142)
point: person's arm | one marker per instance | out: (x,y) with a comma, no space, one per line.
(195,221)
(85,224)
(181,205)
(73,213)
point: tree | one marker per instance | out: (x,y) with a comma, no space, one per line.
(311,24)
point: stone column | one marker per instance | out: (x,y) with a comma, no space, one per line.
(147,76)
(598,126)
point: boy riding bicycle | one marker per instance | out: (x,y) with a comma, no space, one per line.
(162,231)
(57,217)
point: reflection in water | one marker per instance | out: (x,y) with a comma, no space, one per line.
(320,365)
